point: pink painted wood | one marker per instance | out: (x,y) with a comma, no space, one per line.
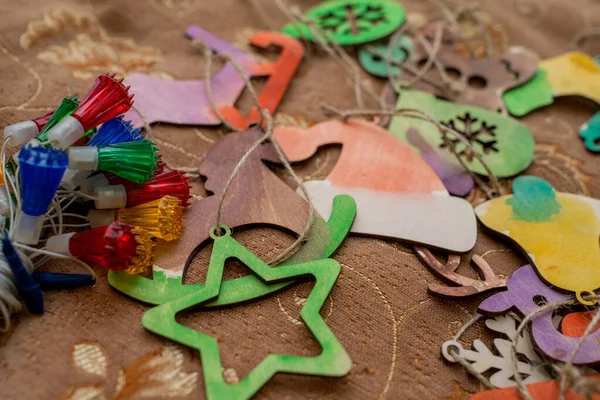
(371,157)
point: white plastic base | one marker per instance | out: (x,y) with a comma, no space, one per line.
(28,228)
(60,243)
(113,196)
(101,217)
(21,133)
(82,157)
(65,133)
(95,181)
(73,178)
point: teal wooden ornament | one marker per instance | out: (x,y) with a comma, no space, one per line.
(506,145)
(324,239)
(372,57)
(351,22)
(590,133)
(333,360)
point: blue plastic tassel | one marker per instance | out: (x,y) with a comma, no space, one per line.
(42,169)
(27,287)
(57,280)
(115,131)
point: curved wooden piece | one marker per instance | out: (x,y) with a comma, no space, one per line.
(558,231)
(466,287)
(280,75)
(256,197)
(525,294)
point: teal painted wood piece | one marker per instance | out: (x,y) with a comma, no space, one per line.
(324,239)
(372,57)
(590,133)
(333,360)
(504,143)
(351,22)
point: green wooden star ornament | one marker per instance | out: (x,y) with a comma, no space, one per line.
(333,361)
(351,22)
(323,240)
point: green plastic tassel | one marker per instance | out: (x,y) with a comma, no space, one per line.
(66,107)
(134,161)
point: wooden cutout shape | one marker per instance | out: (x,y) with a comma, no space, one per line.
(332,361)
(372,57)
(483,360)
(538,391)
(575,323)
(525,294)
(351,22)
(256,197)
(323,241)
(280,74)
(186,102)
(590,133)
(570,74)
(558,231)
(504,143)
(466,287)
(479,82)
(393,187)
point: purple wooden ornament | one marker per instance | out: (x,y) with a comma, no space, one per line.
(457,180)
(185,101)
(525,292)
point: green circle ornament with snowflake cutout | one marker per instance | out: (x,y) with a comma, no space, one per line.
(351,22)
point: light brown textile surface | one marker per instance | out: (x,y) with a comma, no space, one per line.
(91,340)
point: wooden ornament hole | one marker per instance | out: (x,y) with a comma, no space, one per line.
(477,82)
(540,301)
(453,73)
(220,231)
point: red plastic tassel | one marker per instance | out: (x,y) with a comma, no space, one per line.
(171,183)
(41,121)
(107,99)
(112,246)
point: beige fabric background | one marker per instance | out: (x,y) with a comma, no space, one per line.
(91,344)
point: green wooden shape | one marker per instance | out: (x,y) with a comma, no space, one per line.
(373,19)
(372,57)
(504,143)
(323,241)
(333,361)
(531,95)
